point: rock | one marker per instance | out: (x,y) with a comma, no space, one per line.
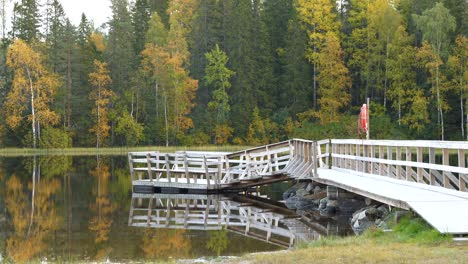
(317,189)
(306,204)
(291,202)
(317,196)
(310,187)
(363,219)
(383,209)
(323,203)
(301,192)
(372,212)
(332,203)
(292,191)
(349,206)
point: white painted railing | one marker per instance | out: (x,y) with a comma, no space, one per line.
(437,163)
(295,158)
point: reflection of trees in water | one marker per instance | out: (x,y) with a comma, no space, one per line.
(33,221)
(165,243)
(218,241)
(102,208)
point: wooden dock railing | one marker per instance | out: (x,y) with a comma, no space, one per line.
(215,170)
(436,163)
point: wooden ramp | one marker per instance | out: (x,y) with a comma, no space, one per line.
(446,210)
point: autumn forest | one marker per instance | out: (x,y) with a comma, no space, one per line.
(198,72)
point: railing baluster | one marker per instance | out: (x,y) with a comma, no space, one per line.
(445,161)
(408,168)
(432,161)
(130,166)
(168,168)
(419,157)
(148,161)
(389,157)
(381,156)
(186,169)
(461,163)
(398,167)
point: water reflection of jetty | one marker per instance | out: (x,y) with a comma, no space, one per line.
(243,215)
(249,216)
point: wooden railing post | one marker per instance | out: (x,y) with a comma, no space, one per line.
(389,157)
(315,159)
(186,169)
(381,156)
(148,162)
(461,177)
(445,161)
(432,161)
(372,164)
(358,154)
(220,169)
(419,157)
(168,168)
(408,168)
(206,172)
(398,158)
(130,166)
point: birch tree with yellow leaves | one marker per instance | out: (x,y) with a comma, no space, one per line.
(32,91)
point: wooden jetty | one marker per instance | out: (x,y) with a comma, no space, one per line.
(429,177)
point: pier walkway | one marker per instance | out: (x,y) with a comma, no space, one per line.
(428,177)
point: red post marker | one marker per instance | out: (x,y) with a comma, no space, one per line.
(363,125)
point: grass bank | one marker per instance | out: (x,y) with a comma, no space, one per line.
(116,151)
(412,241)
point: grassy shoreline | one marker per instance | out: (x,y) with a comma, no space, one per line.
(412,241)
(114,151)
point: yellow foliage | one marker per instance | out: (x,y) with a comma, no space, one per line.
(222,133)
(102,98)
(334,81)
(102,209)
(33,87)
(32,230)
(165,243)
(97,41)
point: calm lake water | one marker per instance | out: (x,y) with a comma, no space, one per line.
(83,209)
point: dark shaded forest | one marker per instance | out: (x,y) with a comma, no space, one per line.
(197,72)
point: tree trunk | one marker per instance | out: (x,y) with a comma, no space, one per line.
(439,105)
(462,115)
(69,88)
(166,120)
(33,110)
(98,126)
(386,72)
(33,194)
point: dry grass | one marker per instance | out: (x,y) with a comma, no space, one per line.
(412,241)
(366,252)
